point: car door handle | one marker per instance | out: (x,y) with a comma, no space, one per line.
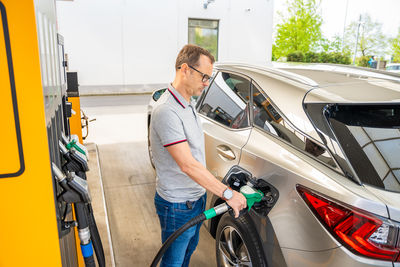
(226,152)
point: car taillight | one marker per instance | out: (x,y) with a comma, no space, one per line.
(361,232)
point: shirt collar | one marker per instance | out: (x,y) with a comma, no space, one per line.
(177,96)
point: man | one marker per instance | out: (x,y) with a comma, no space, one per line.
(177,143)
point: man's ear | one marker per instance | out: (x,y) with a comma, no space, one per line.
(184,68)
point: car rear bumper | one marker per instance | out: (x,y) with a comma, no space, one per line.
(337,257)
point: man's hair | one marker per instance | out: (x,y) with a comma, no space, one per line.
(190,55)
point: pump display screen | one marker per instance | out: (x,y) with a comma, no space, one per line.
(11,159)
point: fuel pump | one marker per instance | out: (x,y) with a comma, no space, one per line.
(76,191)
(76,163)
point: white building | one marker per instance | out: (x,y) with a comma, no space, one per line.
(131,45)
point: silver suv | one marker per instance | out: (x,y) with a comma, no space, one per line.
(323,143)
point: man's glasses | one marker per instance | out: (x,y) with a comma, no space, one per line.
(205,78)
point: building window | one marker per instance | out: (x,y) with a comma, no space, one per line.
(204,33)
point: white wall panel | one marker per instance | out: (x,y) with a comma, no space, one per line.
(92,31)
(130,42)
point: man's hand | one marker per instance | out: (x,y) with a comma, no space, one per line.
(237,202)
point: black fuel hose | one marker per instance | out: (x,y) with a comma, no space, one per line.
(89,261)
(252,196)
(81,213)
(96,240)
(198,219)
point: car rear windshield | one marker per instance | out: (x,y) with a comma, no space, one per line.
(369,136)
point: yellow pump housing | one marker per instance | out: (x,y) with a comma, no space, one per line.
(32,82)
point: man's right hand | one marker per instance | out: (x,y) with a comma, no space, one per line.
(237,202)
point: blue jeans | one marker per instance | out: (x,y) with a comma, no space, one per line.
(172,216)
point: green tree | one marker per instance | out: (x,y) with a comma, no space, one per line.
(207,39)
(300,30)
(333,45)
(371,40)
(395,46)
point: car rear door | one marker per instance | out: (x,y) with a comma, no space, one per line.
(224,111)
(282,156)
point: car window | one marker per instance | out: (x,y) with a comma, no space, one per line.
(227,100)
(393,67)
(157,94)
(267,118)
(370,137)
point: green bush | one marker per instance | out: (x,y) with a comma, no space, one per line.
(363,61)
(340,58)
(311,57)
(322,57)
(326,57)
(297,56)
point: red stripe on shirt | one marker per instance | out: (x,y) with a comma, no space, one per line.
(174,143)
(176,98)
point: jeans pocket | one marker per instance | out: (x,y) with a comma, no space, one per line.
(182,208)
(204,200)
(162,212)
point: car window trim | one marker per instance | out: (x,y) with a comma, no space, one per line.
(203,95)
(336,169)
(223,125)
(285,118)
(218,70)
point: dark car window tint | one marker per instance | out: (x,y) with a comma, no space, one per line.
(226,100)
(370,137)
(266,117)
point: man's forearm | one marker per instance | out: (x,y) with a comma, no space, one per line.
(194,169)
(203,177)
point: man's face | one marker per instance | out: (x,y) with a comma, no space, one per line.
(196,84)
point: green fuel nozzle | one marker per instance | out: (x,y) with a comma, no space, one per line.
(77,146)
(252,196)
(73,143)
